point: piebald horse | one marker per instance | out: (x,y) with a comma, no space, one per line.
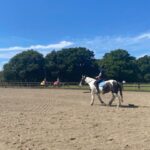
(108,86)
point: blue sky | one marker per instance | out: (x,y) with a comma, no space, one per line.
(100,25)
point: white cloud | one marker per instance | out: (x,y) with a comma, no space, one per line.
(9,52)
(135,45)
(143,36)
(59,45)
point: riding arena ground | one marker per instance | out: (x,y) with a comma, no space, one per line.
(58,119)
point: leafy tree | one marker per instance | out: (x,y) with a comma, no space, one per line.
(1,76)
(143,64)
(26,66)
(69,64)
(119,65)
(147,77)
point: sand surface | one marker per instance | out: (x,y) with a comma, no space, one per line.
(52,119)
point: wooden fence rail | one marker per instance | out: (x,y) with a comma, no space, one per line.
(71,85)
(38,84)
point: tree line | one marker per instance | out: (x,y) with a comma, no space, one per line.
(70,64)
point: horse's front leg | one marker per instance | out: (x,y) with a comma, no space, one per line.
(92,97)
(100,99)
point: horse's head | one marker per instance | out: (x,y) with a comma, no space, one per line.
(82,80)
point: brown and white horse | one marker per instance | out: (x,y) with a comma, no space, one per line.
(108,86)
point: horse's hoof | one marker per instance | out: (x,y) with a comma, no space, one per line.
(91,104)
(109,104)
(103,104)
(118,107)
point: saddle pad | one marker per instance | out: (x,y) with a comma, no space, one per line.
(101,84)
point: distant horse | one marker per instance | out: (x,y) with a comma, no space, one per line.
(57,83)
(43,83)
(108,86)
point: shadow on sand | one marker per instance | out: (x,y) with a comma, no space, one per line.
(87,91)
(123,106)
(129,106)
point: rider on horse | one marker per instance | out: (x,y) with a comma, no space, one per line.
(99,79)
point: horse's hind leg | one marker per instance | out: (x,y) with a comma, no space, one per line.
(101,101)
(119,100)
(112,99)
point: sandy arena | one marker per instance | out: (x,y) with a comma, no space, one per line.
(52,119)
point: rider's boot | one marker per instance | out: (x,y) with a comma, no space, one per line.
(97,88)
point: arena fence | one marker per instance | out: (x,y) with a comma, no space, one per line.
(71,85)
(38,85)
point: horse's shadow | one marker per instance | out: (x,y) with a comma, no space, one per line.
(87,92)
(129,106)
(126,106)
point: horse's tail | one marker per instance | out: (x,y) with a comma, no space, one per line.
(120,89)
